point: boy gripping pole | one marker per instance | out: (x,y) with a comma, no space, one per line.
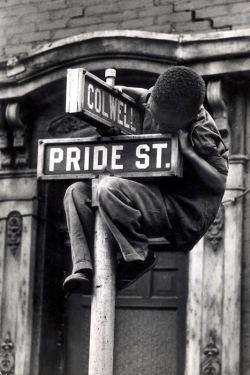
(181,209)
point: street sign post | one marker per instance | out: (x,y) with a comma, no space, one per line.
(101,104)
(125,156)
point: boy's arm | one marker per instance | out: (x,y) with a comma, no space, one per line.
(135,92)
(210,176)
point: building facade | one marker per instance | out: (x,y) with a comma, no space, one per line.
(190,315)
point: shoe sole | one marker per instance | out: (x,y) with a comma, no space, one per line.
(138,276)
(77,286)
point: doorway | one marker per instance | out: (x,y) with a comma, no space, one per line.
(150,315)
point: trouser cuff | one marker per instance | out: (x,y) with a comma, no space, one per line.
(82,265)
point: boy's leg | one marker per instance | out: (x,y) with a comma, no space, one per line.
(133,212)
(80,222)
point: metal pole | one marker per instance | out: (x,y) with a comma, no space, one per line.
(103,305)
(101,346)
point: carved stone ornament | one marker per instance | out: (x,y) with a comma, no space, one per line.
(14,231)
(3,130)
(219,109)
(215,231)
(68,124)
(5,158)
(211,364)
(13,133)
(7,357)
(19,133)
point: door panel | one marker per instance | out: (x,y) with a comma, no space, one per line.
(145,342)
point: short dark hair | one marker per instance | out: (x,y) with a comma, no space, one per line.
(181,89)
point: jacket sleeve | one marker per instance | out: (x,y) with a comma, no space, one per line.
(208,144)
(145,97)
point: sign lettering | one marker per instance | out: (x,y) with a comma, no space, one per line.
(128,156)
(101,104)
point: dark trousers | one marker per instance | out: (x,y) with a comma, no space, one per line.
(133,212)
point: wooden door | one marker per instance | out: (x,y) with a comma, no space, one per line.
(150,323)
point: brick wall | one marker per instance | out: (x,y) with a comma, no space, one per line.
(24,24)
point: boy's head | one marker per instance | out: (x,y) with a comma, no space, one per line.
(176,98)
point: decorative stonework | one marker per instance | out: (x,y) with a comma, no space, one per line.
(66,125)
(215,231)
(7,357)
(14,231)
(13,131)
(219,109)
(3,130)
(19,131)
(211,363)
(60,332)
(5,158)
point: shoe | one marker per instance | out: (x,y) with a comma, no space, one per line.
(77,283)
(128,272)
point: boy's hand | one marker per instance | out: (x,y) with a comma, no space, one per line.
(118,88)
(135,92)
(185,144)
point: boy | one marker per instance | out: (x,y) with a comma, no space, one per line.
(181,209)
